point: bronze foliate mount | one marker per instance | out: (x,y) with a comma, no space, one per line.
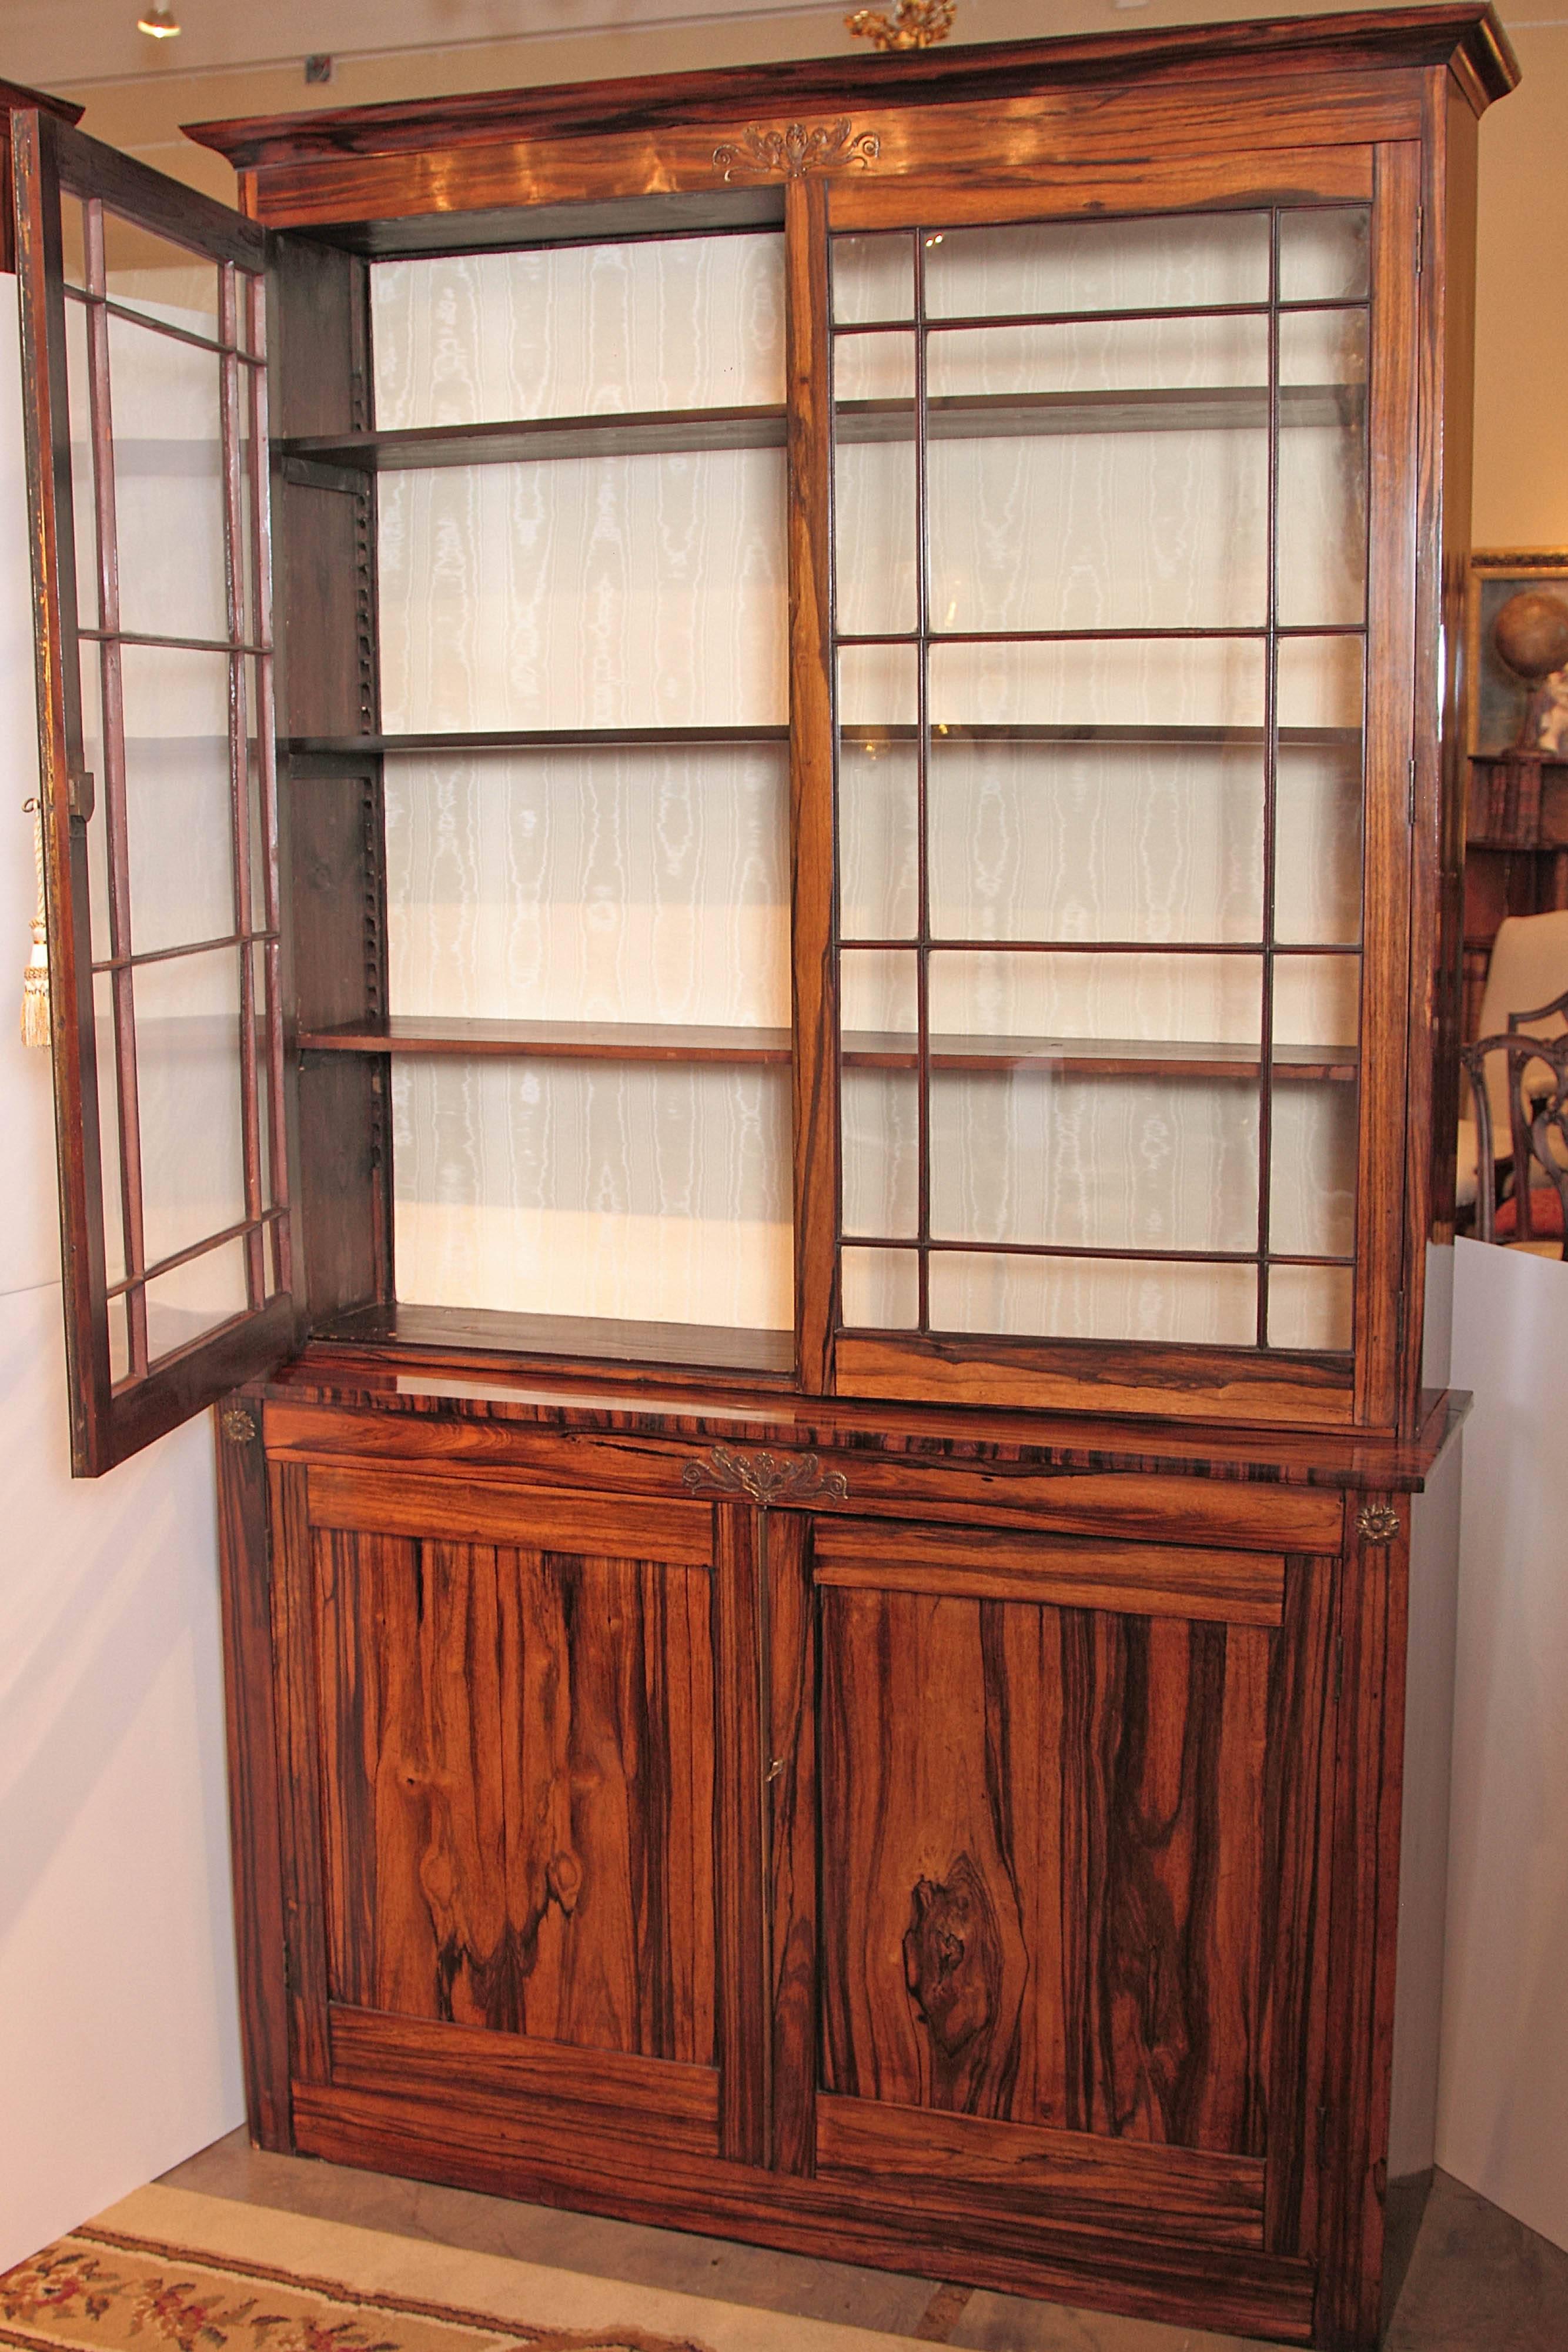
(1378,1523)
(799,148)
(913,24)
(765,1478)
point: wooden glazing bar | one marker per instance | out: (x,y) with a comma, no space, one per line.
(174,955)
(243,1230)
(957,730)
(1135,1253)
(176,644)
(239,779)
(983,416)
(117,847)
(220,345)
(1259,634)
(1004,944)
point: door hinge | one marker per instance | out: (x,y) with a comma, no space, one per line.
(82,797)
(1410,792)
(288,1972)
(1420,238)
(1399,1325)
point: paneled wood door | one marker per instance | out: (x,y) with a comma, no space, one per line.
(1071,1803)
(509,1756)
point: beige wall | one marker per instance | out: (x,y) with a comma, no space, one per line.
(1522,328)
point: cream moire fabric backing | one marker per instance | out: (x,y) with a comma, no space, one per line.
(651,590)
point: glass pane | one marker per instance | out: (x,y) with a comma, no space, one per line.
(578,330)
(189,1091)
(878,840)
(73,241)
(1157,1006)
(881,1290)
(195,1299)
(1317,1003)
(1158,358)
(605,592)
(1133,683)
(1317,845)
(1123,264)
(878,688)
(1319,683)
(618,885)
(878,999)
(168,484)
(874,486)
(91,671)
(1312,1185)
(1108,1163)
(1086,841)
(84,510)
(160,280)
(631,1191)
(881,1152)
(119,1340)
(1089,1298)
(874,277)
(1323,253)
(1111,529)
(1310,1307)
(1322,478)
(108,1128)
(179,801)
(274,1171)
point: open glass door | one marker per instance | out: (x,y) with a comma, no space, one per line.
(143,340)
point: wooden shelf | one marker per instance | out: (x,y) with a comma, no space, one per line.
(566,1339)
(952,731)
(583,1040)
(458,742)
(673,432)
(984,416)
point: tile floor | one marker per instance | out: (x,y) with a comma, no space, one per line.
(1477,2281)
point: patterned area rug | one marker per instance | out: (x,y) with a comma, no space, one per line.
(168,2270)
(98,2292)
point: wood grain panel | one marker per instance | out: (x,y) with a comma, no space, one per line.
(739,1552)
(1149,183)
(792,1769)
(1027,1818)
(1070,2174)
(363,1500)
(1110,1376)
(519,1790)
(577,2089)
(1142,1579)
(304,1868)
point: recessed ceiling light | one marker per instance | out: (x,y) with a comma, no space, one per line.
(158,24)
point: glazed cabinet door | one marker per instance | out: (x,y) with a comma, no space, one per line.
(507,1733)
(1071,1803)
(144,364)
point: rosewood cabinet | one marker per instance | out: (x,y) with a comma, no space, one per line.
(754,924)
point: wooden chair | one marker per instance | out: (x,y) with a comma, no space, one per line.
(1529,966)
(1534,1076)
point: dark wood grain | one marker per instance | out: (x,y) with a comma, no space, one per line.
(812,775)
(1233,1588)
(741,1926)
(358,1500)
(305,1891)
(1069,2175)
(1271,171)
(16,95)
(659,2100)
(255,1788)
(1210,1384)
(791,1782)
(1029,1814)
(518,1796)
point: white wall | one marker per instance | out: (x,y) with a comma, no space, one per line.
(119,2029)
(1502,2121)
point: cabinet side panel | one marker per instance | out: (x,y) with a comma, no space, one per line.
(245,1580)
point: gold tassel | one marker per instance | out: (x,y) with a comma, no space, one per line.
(36,985)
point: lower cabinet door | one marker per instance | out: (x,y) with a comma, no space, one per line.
(504,1741)
(1073,1806)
